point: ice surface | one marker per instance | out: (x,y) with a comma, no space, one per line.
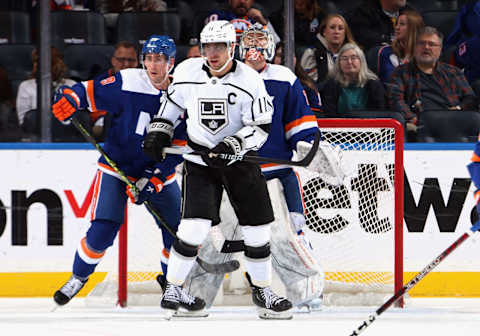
(421,317)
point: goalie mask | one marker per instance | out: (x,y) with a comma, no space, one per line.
(257,38)
(219,31)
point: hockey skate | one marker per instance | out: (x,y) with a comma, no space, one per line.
(68,291)
(180,304)
(270,305)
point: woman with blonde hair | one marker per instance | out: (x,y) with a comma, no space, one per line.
(400,51)
(352,85)
(318,61)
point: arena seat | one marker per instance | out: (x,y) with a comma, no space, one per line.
(16,59)
(448,126)
(137,27)
(442,20)
(86,61)
(14,27)
(77,27)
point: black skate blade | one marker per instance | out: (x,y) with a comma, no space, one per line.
(226,267)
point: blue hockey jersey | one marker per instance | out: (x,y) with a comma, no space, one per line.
(133,101)
(293,120)
(474,170)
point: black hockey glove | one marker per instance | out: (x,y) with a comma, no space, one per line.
(159,136)
(229,145)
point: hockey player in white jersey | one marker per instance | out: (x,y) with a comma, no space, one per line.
(228,110)
(292,122)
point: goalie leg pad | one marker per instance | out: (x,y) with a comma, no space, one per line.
(294,264)
(193,231)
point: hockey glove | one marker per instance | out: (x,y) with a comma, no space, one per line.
(65,103)
(159,136)
(147,186)
(229,145)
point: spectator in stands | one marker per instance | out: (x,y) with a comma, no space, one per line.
(308,17)
(194,51)
(428,84)
(241,14)
(309,86)
(401,50)
(318,61)
(373,21)
(27,91)
(466,36)
(125,56)
(467,24)
(352,86)
(9,130)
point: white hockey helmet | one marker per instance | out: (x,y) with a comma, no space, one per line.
(258,37)
(218,31)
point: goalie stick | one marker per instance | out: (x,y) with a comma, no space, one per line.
(474,229)
(226,267)
(254,158)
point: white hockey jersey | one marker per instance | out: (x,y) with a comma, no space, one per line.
(235,104)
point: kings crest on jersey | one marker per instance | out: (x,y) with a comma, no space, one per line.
(131,99)
(234,104)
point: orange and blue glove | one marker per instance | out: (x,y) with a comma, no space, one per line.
(65,103)
(147,186)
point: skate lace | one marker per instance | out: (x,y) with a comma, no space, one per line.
(270,297)
(171,293)
(186,298)
(72,287)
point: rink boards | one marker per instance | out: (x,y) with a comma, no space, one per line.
(45,203)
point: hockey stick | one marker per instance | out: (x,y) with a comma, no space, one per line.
(253,158)
(226,267)
(474,229)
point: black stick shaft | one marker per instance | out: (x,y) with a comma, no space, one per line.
(225,267)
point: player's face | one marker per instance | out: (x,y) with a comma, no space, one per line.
(216,54)
(334,31)
(401,28)
(350,63)
(157,66)
(124,58)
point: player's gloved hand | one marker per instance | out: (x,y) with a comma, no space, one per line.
(147,186)
(65,103)
(229,145)
(159,136)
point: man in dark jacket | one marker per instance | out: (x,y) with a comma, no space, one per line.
(373,21)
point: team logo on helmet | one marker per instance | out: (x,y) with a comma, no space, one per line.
(213,114)
(159,44)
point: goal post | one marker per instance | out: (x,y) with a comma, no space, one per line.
(356,229)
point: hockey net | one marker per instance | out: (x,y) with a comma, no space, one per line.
(355,228)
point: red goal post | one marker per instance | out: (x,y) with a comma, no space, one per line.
(371,138)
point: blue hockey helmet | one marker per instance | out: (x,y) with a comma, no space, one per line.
(159,44)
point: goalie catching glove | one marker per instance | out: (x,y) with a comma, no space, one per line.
(65,103)
(229,145)
(147,186)
(159,136)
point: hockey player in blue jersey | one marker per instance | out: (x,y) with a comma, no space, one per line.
(133,97)
(474,170)
(293,122)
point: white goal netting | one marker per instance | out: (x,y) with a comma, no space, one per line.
(355,227)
